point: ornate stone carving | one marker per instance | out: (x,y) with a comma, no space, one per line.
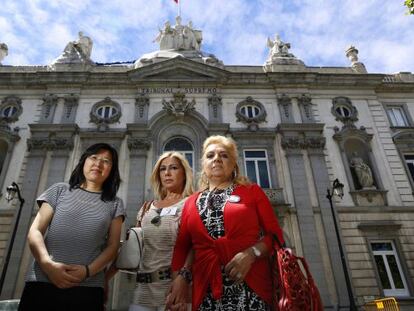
(71,102)
(293,143)
(49,101)
(4,51)
(305,106)
(315,142)
(251,112)
(214,101)
(285,106)
(178,106)
(275,196)
(10,109)
(344,111)
(139,143)
(141,102)
(49,144)
(352,54)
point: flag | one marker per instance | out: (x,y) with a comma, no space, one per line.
(176,1)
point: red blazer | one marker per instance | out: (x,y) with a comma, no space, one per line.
(242,223)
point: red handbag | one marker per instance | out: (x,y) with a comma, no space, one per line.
(292,289)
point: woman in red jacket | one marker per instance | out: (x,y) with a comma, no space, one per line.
(229,224)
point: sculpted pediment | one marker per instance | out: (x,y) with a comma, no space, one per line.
(178,70)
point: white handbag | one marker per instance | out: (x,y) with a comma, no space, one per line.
(130,255)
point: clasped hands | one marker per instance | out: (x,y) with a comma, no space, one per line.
(64,275)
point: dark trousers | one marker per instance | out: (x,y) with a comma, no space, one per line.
(47,297)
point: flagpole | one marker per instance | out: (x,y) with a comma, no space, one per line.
(179,8)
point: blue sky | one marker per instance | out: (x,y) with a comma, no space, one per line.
(319,31)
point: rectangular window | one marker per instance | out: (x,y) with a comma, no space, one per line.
(257,168)
(389,269)
(397,116)
(409,160)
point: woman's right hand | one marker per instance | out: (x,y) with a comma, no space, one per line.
(58,274)
(179,295)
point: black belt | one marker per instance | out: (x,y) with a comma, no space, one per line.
(159,275)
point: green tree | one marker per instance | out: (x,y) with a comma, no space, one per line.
(410,5)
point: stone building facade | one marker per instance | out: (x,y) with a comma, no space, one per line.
(298,129)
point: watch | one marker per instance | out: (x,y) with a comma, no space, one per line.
(257,253)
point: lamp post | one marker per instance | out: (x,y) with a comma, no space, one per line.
(10,194)
(338,190)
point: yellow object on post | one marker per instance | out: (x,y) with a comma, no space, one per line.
(384,304)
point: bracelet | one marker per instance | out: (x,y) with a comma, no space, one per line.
(186,274)
(87,272)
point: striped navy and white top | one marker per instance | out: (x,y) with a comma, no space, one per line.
(78,231)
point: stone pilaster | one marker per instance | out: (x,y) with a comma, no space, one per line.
(294,141)
(315,146)
(138,148)
(28,187)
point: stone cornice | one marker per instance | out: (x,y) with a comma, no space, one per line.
(300,127)
(53,128)
(197,72)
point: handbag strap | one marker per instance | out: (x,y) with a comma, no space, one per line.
(145,208)
(276,239)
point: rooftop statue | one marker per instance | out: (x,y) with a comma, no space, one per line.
(178,41)
(76,52)
(83,46)
(4,51)
(352,54)
(179,37)
(279,55)
(278,48)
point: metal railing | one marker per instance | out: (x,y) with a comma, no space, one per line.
(384,304)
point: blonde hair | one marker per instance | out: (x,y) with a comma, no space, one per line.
(159,190)
(230,145)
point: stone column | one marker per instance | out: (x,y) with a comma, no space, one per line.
(293,146)
(28,187)
(138,148)
(321,178)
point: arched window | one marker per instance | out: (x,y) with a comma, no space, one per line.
(250,111)
(9,111)
(106,112)
(183,146)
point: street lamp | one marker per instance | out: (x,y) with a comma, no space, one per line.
(10,194)
(338,190)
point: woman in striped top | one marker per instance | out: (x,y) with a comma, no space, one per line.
(83,222)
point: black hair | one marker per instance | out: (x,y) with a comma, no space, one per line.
(111,184)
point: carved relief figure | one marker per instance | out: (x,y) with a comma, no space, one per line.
(362,171)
